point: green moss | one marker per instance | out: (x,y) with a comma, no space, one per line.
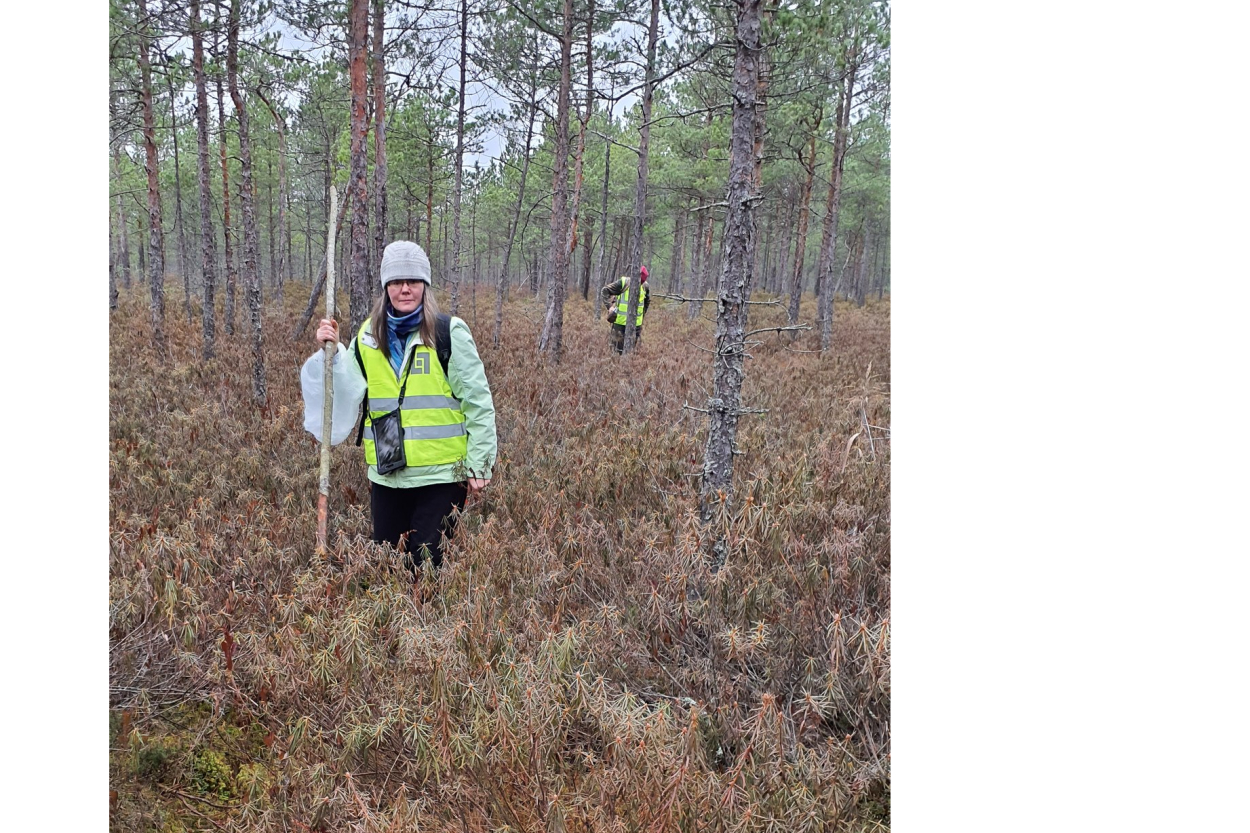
(210,775)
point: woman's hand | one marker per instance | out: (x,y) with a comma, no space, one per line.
(476,484)
(328,332)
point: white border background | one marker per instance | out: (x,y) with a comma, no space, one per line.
(1070,455)
(1069,420)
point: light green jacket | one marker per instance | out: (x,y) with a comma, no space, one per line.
(467,378)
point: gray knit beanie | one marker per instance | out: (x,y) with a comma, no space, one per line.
(404,259)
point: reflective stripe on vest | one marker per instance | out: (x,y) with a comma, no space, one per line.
(622,306)
(432,418)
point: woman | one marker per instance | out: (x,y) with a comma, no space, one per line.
(448,443)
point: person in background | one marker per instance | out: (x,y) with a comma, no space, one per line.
(617,315)
(396,362)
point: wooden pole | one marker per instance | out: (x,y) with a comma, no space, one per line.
(327,406)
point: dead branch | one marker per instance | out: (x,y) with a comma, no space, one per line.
(714,300)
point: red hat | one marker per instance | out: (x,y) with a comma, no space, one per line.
(643,271)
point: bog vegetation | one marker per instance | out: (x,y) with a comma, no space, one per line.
(576,664)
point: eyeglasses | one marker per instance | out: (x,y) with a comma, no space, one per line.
(411,284)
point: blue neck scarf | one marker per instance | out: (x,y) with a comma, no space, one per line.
(398,328)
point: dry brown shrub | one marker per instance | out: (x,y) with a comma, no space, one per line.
(575,664)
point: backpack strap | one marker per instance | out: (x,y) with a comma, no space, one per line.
(442,346)
(442,341)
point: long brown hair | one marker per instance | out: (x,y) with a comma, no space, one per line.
(429,316)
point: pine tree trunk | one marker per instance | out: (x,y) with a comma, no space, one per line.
(182,238)
(247,191)
(581,149)
(800,246)
(273,230)
(208,240)
(112,264)
(679,242)
(781,279)
(828,237)
(640,188)
(575,205)
(141,246)
(429,205)
(156,252)
(861,266)
(501,289)
(760,277)
(283,266)
(123,222)
(824,304)
(477,257)
(379,133)
(551,340)
(122,254)
(358,29)
(600,278)
(453,274)
(716,493)
(705,271)
(696,262)
(231,272)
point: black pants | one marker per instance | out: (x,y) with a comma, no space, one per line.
(424,512)
(618,337)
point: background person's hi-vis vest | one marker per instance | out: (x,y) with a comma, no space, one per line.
(432,418)
(622,306)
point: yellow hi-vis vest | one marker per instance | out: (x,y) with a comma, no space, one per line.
(432,418)
(622,306)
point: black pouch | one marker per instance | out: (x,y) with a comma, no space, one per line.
(388,442)
(388,435)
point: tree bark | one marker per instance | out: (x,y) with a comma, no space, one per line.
(704,284)
(379,132)
(552,336)
(178,224)
(284,240)
(679,243)
(861,265)
(575,206)
(116,220)
(429,202)
(734,290)
(358,28)
(454,276)
(208,240)
(824,303)
(781,278)
(122,221)
(231,272)
(800,246)
(581,144)
(141,245)
(273,230)
(156,252)
(122,253)
(640,189)
(600,278)
(502,287)
(247,191)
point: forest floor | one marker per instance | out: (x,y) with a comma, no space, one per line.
(575,665)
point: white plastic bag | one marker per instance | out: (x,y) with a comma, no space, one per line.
(349,389)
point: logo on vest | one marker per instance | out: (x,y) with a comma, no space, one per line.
(421,363)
